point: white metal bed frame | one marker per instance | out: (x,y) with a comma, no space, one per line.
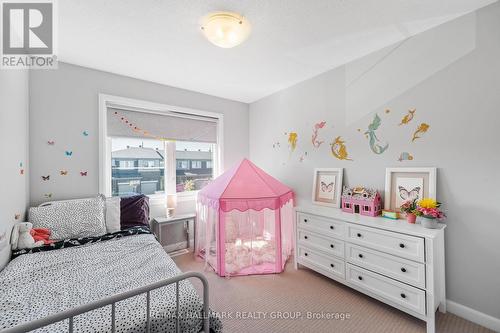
(112,300)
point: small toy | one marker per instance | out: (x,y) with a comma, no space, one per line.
(41,234)
(390,214)
(21,237)
(360,200)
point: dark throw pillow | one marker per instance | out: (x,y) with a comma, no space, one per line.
(134,211)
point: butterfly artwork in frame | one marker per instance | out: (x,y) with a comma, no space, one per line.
(327,185)
(408,184)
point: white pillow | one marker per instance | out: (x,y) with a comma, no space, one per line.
(113,214)
(71,218)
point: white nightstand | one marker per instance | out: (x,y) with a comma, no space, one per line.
(160,226)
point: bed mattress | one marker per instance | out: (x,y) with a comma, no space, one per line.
(39,284)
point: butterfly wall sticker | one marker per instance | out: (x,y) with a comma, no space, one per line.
(409,195)
(63,172)
(45,178)
(17,216)
(85,133)
(47,195)
(83,173)
(68,153)
(326,187)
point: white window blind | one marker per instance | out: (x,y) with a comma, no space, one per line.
(161,126)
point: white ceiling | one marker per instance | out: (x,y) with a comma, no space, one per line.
(291,40)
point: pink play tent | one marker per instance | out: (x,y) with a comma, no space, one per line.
(245,222)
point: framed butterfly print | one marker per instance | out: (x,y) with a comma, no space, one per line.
(402,184)
(327,184)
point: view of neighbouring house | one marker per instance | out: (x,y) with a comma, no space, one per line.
(141,170)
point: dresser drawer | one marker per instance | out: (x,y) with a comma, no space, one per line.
(314,240)
(327,263)
(405,246)
(321,225)
(406,296)
(398,268)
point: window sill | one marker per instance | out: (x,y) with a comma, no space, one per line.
(187,196)
(157,199)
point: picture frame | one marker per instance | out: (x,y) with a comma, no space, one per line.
(327,186)
(403,184)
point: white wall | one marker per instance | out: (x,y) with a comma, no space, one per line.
(64,103)
(460,101)
(14,150)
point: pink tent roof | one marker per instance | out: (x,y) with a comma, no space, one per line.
(243,187)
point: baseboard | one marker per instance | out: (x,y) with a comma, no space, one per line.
(473,315)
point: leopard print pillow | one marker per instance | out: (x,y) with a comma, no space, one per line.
(71,218)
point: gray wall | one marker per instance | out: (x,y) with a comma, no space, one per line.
(460,100)
(14,149)
(64,103)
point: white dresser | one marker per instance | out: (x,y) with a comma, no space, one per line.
(398,263)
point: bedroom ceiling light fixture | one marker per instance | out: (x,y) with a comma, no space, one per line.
(225,29)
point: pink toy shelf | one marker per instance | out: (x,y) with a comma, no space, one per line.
(245,222)
(362,201)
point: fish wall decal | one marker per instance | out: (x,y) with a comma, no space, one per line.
(421,129)
(407,118)
(404,156)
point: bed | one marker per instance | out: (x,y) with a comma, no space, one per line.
(42,282)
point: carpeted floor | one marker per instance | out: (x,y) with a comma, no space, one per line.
(285,303)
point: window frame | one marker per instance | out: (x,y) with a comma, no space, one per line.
(106,101)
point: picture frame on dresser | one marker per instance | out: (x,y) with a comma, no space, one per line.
(403,184)
(327,186)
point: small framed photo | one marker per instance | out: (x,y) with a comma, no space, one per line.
(327,184)
(402,184)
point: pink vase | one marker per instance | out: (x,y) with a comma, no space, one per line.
(411,218)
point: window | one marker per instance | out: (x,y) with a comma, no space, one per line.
(126,164)
(138,166)
(182,165)
(154,149)
(196,177)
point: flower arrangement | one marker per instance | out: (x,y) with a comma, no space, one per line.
(409,207)
(429,208)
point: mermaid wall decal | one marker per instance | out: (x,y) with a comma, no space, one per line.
(375,145)
(315,141)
